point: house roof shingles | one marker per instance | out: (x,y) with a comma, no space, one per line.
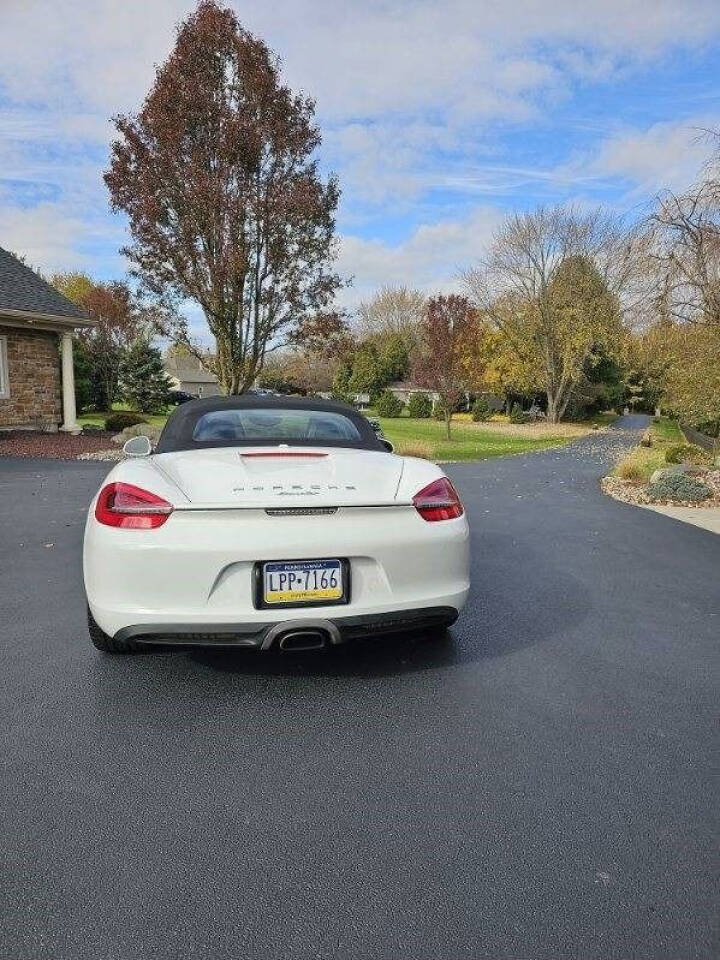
(189,370)
(23,290)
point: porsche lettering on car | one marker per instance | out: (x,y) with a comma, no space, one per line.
(271,521)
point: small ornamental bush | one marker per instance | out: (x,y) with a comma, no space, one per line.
(143,430)
(687,453)
(420,406)
(679,486)
(388,405)
(123,418)
(630,470)
(517,414)
(481,410)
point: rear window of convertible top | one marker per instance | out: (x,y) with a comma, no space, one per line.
(281,426)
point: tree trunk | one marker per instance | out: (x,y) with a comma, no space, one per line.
(553,412)
(110,387)
(557,404)
(448,417)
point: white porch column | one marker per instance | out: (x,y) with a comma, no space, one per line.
(69,424)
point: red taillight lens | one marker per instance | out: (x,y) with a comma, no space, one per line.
(438,501)
(125,505)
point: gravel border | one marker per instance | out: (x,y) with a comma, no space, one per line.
(628,492)
(113,455)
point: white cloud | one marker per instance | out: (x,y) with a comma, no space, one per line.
(665,155)
(360,58)
(408,93)
(54,240)
(430,259)
(457,58)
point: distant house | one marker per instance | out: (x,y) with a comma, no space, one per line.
(495,402)
(37,386)
(404,389)
(188,374)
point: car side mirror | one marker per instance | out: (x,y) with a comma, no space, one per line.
(386,443)
(137,447)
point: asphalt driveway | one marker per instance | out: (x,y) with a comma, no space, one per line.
(538,786)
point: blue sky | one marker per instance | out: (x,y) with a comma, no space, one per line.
(439,117)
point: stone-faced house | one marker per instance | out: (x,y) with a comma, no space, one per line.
(37,387)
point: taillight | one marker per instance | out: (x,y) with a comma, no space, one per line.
(438,501)
(125,505)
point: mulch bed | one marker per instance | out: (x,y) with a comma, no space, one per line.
(53,446)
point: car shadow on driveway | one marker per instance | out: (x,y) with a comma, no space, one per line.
(517,599)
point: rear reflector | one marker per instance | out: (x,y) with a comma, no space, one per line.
(300,511)
(438,501)
(282,453)
(130,507)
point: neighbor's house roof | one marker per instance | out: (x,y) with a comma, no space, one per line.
(26,297)
(408,385)
(189,369)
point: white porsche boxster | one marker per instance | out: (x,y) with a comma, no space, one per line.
(262,521)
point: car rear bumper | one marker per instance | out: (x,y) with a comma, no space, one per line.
(196,574)
(264,636)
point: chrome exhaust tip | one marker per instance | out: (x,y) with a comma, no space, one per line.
(302,640)
(302,634)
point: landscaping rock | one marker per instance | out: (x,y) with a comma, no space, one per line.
(673,471)
(138,430)
(676,469)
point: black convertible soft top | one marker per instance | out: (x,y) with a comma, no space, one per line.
(178,431)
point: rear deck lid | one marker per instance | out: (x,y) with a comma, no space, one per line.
(282,476)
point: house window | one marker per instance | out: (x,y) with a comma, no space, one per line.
(4,372)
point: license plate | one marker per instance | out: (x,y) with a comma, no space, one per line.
(304,581)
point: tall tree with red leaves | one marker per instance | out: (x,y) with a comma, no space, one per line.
(217,176)
(444,331)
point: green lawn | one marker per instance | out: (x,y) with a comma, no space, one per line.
(642,461)
(426,438)
(667,431)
